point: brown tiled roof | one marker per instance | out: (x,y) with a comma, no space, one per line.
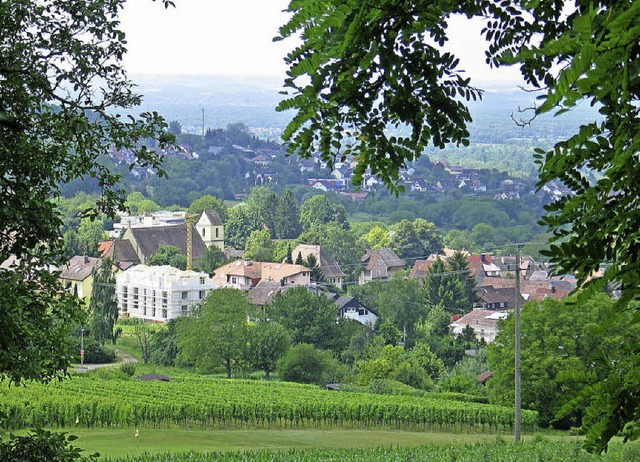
(420,268)
(539,290)
(79,268)
(390,259)
(499,283)
(245,268)
(499,295)
(121,253)
(480,318)
(482,378)
(279,271)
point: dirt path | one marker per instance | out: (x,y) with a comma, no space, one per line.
(122,358)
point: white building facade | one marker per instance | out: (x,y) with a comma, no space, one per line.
(160,293)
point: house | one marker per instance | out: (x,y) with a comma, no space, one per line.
(482,266)
(77,275)
(419,185)
(330,269)
(160,293)
(549,288)
(121,253)
(264,292)
(211,229)
(246,274)
(421,267)
(352,308)
(483,322)
(379,265)
(240,274)
(499,299)
(147,240)
(286,274)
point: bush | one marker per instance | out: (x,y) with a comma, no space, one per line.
(128,368)
(304,364)
(94,353)
(42,445)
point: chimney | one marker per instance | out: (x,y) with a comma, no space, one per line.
(86,259)
(483,257)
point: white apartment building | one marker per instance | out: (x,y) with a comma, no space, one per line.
(160,293)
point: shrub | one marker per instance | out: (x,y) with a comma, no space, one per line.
(304,364)
(128,368)
(42,445)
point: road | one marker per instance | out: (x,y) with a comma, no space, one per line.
(122,358)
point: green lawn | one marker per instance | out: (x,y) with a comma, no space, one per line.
(120,443)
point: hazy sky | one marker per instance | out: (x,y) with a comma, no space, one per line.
(234,37)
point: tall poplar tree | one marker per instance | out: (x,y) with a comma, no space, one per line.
(103,306)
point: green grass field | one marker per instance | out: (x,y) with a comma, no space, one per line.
(121,443)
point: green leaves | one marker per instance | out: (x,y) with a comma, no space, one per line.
(368,69)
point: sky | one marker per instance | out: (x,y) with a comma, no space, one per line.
(234,38)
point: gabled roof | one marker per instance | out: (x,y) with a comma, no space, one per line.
(344,300)
(279,271)
(390,259)
(480,318)
(79,268)
(213,217)
(120,251)
(242,268)
(499,295)
(264,292)
(149,239)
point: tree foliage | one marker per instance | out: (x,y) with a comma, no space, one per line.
(208,202)
(63,89)
(216,332)
(563,350)
(363,71)
(168,255)
(103,305)
(308,317)
(267,342)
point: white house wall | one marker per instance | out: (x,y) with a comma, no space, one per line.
(160,293)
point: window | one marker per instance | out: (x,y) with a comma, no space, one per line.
(217,232)
(203,232)
(164,314)
(201,294)
(185,294)
(201,280)
(185,309)
(153,312)
(234,280)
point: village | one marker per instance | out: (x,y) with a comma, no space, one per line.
(157,294)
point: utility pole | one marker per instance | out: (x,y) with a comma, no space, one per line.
(518,403)
(82,348)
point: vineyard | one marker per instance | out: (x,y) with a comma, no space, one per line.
(191,401)
(495,452)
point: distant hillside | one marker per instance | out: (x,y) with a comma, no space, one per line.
(497,141)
